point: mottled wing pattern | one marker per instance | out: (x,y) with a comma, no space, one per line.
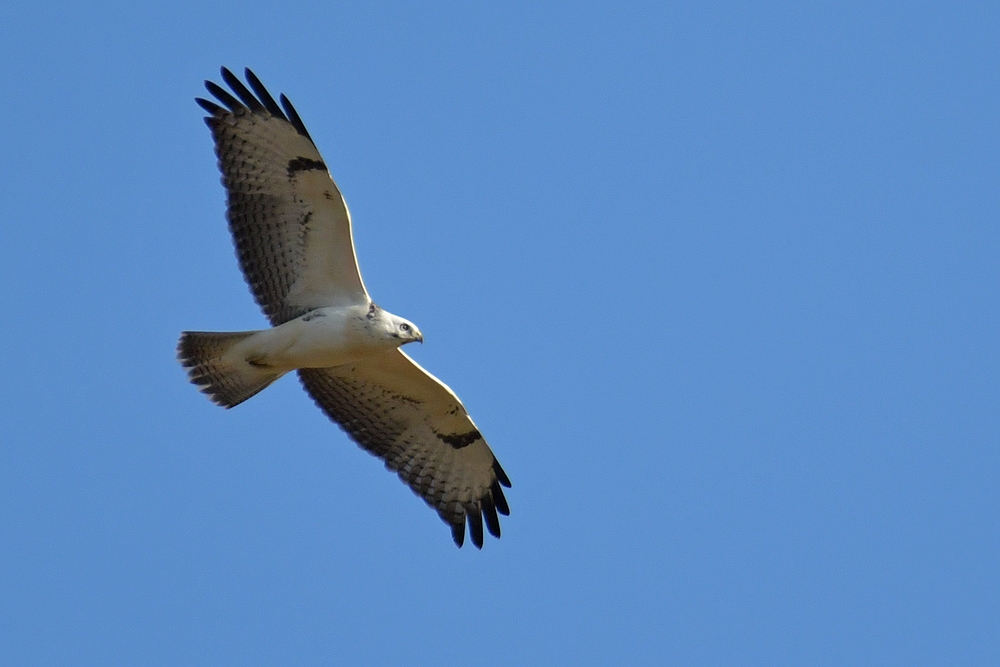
(399,412)
(289,222)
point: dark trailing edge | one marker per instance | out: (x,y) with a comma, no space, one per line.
(262,103)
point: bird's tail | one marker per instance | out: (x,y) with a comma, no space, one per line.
(228,379)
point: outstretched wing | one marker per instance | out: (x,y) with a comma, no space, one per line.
(404,415)
(289,222)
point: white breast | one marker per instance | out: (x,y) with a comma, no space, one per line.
(320,339)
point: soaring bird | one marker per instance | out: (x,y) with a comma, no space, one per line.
(292,233)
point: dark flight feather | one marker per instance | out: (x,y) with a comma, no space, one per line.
(242,92)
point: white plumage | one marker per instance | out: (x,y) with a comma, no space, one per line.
(292,232)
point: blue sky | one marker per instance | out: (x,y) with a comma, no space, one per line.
(717,280)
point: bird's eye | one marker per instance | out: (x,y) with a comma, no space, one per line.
(404,327)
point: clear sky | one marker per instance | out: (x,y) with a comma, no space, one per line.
(717,280)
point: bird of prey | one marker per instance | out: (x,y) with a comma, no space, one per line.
(292,233)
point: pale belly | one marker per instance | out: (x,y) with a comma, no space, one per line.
(327,337)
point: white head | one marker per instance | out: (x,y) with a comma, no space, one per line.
(395,330)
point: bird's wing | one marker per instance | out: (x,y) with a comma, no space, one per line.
(289,222)
(404,415)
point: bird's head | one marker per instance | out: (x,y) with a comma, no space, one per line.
(406,331)
(394,328)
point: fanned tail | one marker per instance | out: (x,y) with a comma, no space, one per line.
(227,380)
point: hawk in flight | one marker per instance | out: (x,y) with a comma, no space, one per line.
(292,232)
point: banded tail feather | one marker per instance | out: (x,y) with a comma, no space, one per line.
(227,379)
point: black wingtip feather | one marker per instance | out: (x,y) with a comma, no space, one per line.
(458,533)
(242,91)
(219,93)
(262,93)
(210,107)
(500,474)
(490,516)
(499,500)
(257,101)
(293,117)
(476,527)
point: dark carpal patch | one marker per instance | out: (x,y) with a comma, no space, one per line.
(459,440)
(300,163)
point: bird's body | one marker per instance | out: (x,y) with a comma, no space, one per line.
(292,232)
(323,338)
